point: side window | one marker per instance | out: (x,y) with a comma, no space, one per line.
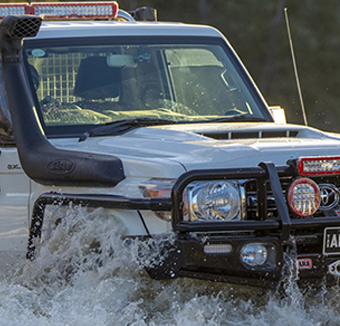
(6,127)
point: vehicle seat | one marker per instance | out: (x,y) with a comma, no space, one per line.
(96,80)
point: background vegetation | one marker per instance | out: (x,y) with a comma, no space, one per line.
(257,31)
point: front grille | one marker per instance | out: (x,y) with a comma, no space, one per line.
(252,201)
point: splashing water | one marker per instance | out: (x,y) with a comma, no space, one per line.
(86,274)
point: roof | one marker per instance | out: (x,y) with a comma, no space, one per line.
(78,29)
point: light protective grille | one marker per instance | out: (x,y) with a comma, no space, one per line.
(57,76)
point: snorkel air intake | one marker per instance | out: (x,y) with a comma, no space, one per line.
(41,161)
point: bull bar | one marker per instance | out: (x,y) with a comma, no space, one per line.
(186,257)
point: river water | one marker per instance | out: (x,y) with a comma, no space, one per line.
(74,282)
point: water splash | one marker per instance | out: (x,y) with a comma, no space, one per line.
(86,274)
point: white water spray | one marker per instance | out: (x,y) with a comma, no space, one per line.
(86,274)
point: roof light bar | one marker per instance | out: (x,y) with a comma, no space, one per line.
(76,10)
(59,10)
(14,9)
(327,165)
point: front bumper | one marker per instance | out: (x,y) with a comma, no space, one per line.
(296,245)
(187,257)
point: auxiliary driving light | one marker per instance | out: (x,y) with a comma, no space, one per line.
(223,248)
(13,9)
(304,197)
(254,254)
(54,10)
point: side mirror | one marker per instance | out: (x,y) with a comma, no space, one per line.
(278,114)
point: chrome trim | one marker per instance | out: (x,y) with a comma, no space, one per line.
(243,211)
(330,196)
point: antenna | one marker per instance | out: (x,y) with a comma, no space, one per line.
(295,68)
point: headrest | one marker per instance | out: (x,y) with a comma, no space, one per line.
(96,80)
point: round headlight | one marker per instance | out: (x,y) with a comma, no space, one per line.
(254,254)
(304,197)
(215,201)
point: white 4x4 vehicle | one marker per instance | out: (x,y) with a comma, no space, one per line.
(161,125)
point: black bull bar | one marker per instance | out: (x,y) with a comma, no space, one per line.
(185,250)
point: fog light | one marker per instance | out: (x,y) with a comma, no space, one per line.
(254,254)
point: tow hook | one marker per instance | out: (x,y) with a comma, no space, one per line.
(334,268)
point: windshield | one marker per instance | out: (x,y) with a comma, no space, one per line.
(93,84)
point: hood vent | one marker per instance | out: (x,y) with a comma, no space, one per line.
(251,134)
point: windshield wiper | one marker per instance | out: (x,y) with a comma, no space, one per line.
(239,118)
(119,127)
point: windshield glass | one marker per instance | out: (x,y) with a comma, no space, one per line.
(90,85)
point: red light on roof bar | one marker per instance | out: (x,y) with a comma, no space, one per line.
(60,10)
(319,165)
